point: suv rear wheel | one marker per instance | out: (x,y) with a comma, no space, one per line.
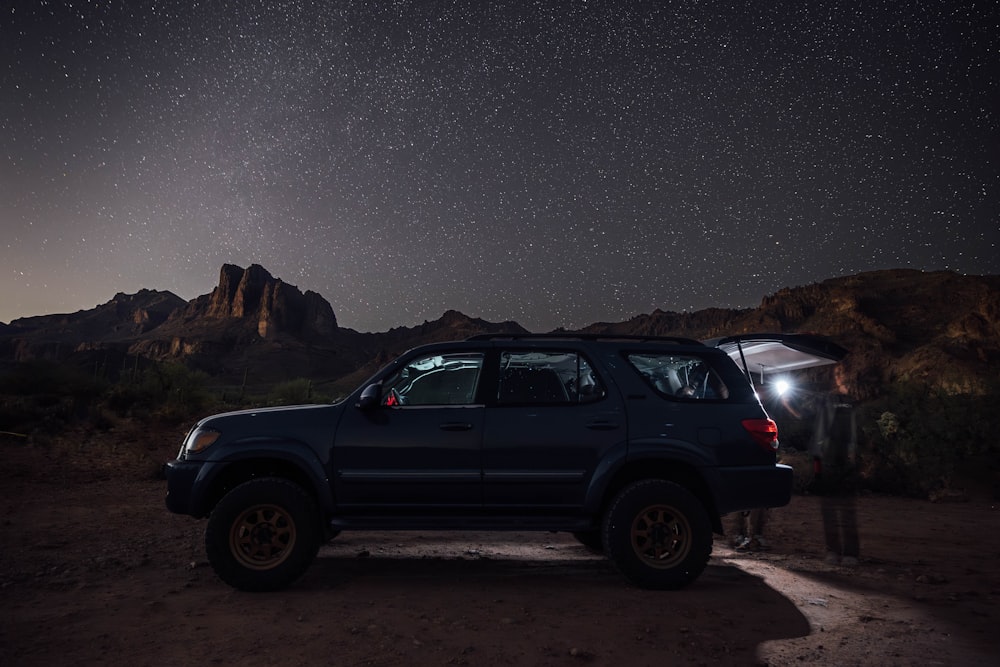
(658,534)
(263,534)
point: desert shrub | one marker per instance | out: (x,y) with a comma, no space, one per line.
(123,399)
(168,391)
(801,463)
(917,437)
(43,396)
(913,440)
(179,390)
(293,392)
(47,378)
(34,414)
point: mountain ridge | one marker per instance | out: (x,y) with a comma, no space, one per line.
(940,327)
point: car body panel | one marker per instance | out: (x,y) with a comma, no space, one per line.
(748,487)
(409,457)
(543,457)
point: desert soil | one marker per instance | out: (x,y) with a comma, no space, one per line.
(94,570)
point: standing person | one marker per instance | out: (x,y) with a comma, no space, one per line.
(748,528)
(835,467)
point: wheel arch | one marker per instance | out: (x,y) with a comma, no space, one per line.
(671,470)
(303,470)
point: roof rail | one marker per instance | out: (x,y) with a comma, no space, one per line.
(678,340)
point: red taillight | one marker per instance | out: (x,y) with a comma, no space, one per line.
(764,432)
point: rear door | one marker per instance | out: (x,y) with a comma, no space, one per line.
(549,424)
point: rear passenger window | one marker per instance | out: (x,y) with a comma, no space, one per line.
(680,376)
(546,377)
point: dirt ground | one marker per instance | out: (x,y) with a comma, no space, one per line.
(93,569)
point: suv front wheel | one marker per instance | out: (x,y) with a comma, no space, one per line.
(658,534)
(263,534)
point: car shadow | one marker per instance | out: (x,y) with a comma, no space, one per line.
(569,596)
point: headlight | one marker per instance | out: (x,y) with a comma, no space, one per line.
(199,440)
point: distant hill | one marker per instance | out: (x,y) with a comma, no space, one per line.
(940,328)
(252,324)
(124,317)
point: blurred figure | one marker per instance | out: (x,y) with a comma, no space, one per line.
(835,467)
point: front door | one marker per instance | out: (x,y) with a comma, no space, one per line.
(419,449)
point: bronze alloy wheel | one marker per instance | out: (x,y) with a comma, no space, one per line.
(262,537)
(658,534)
(661,536)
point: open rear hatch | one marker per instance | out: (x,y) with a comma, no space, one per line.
(765,354)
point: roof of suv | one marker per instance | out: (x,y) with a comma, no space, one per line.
(764,353)
(586,336)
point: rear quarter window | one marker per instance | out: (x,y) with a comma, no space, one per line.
(682,376)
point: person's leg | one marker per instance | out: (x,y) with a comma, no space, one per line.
(741,532)
(758,520)
(831,530)
(849,527)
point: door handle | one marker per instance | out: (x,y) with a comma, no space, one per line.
(602,425)
(456,426)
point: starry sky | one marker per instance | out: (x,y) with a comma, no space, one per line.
(553,162)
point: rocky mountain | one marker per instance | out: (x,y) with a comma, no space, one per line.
(384,347)
(125,316)
(115,323)
(255,297)
(252,325)
(940,328)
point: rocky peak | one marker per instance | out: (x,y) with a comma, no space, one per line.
(269,304)
(239,291)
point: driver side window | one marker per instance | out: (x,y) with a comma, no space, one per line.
(439,379)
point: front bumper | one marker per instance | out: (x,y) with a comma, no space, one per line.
(748,487)
(185,479)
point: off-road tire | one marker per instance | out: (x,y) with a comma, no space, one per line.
(658,534)
(263,534)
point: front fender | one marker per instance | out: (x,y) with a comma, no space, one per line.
(240,461)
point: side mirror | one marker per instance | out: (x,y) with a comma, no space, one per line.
(370,397)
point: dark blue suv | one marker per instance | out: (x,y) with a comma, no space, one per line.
(634,445)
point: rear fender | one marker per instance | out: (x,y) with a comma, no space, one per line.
(677,461)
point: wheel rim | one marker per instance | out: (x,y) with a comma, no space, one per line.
(262,537)
(661,536)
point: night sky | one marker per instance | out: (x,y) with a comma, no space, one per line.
(556,163)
